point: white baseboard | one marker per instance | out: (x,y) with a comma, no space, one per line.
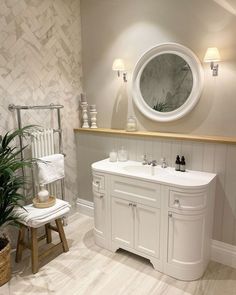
(220,252)
(85,207)
(223,253)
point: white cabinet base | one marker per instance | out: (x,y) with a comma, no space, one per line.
(185,274)
(155,262)
(99,240)
(167,224)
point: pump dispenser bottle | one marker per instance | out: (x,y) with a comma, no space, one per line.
(177,163)
(182,164)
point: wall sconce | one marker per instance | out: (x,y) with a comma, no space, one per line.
(119,66)
(212,55)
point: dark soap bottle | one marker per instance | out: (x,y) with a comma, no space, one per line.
(177,163)
(182,164)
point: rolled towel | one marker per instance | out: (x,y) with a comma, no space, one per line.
(50,168)
(31,215)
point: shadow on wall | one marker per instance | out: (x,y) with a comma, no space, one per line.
(120,109)
(224,228)
(220,202)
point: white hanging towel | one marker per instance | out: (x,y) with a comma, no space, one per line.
(50,168)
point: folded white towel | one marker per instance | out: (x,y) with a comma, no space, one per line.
(50,168)
(40,222)
(35,216)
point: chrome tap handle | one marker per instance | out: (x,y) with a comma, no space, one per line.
(154,163)
(163,163)
(145,160)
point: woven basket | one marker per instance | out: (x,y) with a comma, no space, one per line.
(5,264)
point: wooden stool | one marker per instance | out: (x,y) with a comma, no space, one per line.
(33,246)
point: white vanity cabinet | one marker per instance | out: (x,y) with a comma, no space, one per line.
(169,224)
(135,227)
(122,223)
(100,209)
(186,236)
(135,217)
(147,230)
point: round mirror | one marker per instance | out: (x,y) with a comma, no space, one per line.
(167,82)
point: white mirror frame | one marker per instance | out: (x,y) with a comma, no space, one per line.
(194,96)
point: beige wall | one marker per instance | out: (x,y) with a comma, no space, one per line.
(40,63)
(119,28)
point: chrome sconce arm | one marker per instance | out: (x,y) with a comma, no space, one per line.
(212,55)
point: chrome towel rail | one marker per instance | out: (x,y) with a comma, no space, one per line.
(51,106)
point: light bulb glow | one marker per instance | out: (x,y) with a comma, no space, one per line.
(212,55)
(118,65)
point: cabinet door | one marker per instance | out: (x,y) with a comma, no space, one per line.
(185,239)
(147,230)
(99,214)
(122,222)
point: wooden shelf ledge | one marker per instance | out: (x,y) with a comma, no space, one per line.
(176,136)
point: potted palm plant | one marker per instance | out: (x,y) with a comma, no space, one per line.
(11,183)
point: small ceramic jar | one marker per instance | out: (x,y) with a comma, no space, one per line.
(122,155)
(131,124)
(43,195)
(113,156)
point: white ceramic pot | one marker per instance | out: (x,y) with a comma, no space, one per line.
(43,195)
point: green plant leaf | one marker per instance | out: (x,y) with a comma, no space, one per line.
(11,180)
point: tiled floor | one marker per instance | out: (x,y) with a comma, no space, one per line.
(88,270)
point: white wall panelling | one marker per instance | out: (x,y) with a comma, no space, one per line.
(218,158)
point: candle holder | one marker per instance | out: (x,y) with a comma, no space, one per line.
(84,106)
(93,116)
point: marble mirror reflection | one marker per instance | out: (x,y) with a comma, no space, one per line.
(167,82)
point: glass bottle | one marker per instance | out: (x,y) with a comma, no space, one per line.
(177,163)
(122,155)
(131,124)
(182,164)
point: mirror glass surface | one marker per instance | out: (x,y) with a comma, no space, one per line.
(166,82)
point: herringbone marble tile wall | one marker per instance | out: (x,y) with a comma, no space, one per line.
(40,63)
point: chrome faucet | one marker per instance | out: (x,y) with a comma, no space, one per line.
(145,160)
(153,163)
(163,163)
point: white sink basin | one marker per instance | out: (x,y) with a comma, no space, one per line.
(168,175)
(141,169)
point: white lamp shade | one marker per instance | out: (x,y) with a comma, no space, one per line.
(118,65)
(212,54)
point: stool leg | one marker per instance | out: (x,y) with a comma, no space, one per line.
(48,233)
(20,246)
(62,235)
(34,250)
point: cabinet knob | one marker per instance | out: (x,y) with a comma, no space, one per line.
(134,205)
(130,204)
(101,196)
(176,202)
(170,214)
